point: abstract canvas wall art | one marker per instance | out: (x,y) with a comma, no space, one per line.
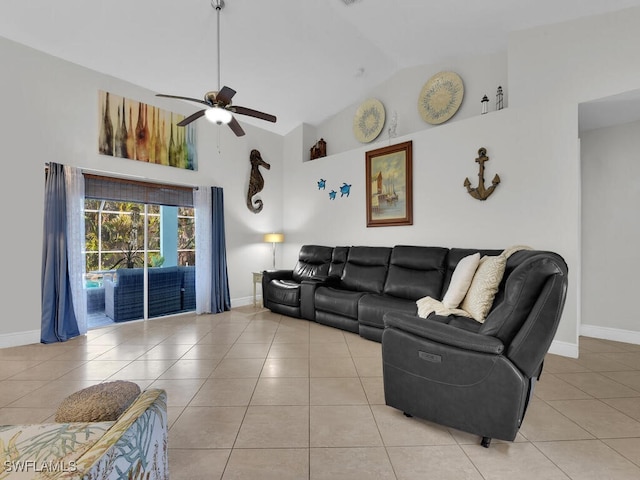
(135,130)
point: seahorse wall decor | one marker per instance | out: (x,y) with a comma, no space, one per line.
(256,182)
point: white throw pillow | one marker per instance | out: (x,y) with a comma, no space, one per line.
(461,280)
(484,286)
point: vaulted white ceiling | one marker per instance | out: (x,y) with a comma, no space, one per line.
(301,60)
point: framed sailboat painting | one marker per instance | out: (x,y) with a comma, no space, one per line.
(389,182)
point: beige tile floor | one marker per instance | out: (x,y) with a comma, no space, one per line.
(255,395)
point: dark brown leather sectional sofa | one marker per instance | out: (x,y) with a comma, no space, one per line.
(452,370)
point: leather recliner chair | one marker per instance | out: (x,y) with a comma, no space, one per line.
(281,288)
(478,378)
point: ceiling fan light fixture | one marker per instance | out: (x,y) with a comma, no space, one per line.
(218,115)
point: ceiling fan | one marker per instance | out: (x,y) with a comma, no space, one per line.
(219,108)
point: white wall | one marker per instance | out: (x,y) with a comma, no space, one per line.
(230,168)
(610,231)
(444,213)
(576,61)
(551,70)
(481,75)
(50,114)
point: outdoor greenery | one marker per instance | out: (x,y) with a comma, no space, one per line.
(115,235)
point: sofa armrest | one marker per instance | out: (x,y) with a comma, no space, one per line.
(133,446)
(136,444)
(268,275)
(443,333)
(308,296)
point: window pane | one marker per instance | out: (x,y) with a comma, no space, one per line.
(155,256)
(186,237)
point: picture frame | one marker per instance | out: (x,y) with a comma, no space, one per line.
(389,185)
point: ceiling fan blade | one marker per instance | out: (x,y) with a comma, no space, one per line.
(235,126)
(225,95)
(191,118)
(183,98)
(254,113)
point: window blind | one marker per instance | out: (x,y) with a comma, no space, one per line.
(125,190)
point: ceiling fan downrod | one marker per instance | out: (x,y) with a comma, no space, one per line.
(218,5)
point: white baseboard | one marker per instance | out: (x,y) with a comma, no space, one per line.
(245,301)
(608,333)
(564,349)
(18,339)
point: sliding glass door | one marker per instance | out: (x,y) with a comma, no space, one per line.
(140,258)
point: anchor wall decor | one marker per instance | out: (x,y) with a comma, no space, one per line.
(480,192)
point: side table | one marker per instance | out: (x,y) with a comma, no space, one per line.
(257,279)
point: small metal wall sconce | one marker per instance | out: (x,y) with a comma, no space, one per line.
(480,192)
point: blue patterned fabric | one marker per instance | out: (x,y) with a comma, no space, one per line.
(133,447)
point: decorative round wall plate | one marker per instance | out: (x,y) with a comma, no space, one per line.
(368,120)
(440,97)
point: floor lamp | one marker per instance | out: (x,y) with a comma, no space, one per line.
(274,238)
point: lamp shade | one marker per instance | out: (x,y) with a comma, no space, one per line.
(218,115)
(274,237)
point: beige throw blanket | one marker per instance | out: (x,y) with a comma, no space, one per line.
(428,305)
